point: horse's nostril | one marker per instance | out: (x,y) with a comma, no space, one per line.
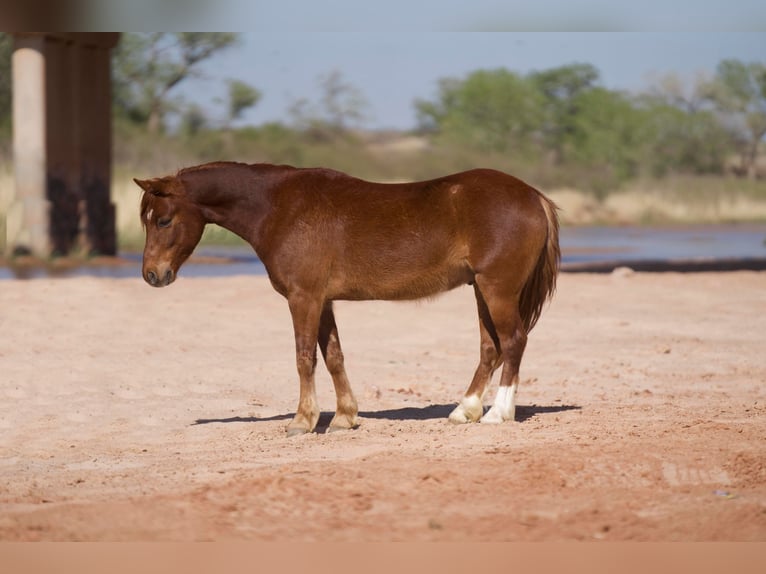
(151,277)
(168,277)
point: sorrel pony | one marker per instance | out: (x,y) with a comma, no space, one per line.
(325,236)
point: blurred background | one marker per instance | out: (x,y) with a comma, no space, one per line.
(619,128)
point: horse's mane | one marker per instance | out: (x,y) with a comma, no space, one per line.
(211,165)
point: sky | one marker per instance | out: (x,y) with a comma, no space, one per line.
(422,15)
(393,68)
(395,51)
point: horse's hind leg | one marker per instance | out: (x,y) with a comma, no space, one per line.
(471,408)
(329,344)
(512,338)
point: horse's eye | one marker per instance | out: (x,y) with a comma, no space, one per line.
(163,222)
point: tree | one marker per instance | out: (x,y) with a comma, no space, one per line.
(739,92)
(684,132)
(561,89)
(341,105)
(491,110)
(148,67)
(607,134)
(601,136)
(692,142)
(241,97)
(193,120)
(689,95)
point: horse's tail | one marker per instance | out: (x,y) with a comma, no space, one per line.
(541,284)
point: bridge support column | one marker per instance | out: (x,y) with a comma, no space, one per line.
(62,145)
(29,213)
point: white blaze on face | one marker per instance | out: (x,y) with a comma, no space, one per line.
(149,215)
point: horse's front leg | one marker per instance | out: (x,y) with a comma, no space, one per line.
(306,312)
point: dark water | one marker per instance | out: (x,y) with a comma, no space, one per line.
(580,246)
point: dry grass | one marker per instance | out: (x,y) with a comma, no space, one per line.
(6,187)
(6,197)
(672,200)
(126,196)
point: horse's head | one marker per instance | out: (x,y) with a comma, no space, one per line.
(173,224)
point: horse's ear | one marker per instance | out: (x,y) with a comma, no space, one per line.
(156,186)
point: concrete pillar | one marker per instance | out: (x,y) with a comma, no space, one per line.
(29,213)
(95,134)
(62,145)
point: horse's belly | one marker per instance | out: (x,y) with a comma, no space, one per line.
(399,283)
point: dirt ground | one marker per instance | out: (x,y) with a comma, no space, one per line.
(131,413)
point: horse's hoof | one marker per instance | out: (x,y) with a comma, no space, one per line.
(457,417)
(468,411)
(495,416)
(296,432)
(333,428)
(343,422)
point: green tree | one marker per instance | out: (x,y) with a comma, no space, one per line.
(692,142)
(606,135)
(148,67)
(739,92)
(684,132)
(492,110)
(241,97)
(600,136)
(562,89)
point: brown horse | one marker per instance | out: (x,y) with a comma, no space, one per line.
(324,236)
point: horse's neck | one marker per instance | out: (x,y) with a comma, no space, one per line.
(240,205)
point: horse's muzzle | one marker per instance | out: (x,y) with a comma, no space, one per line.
(155,280)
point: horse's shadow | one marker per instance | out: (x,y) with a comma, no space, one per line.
(523,413)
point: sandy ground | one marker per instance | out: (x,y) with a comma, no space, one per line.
(131,413)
